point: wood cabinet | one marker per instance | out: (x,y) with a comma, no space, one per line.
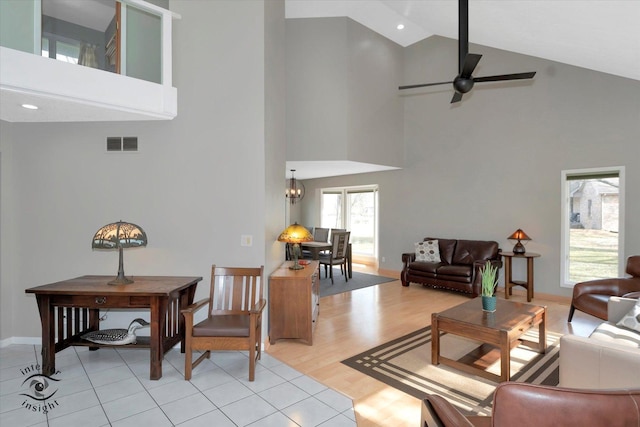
(294,302)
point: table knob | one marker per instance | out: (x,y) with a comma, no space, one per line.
(101,300)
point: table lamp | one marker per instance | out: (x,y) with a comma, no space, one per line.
(119,235)
(295,234)
(519,235)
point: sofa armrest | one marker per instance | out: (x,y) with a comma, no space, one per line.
(408,257)
(592,364)
(618,307)
(436,411)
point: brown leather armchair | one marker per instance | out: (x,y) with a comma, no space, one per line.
(528,405)
(592,296)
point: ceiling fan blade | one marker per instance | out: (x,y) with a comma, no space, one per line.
(424,85)
(470,63)
(518,76)
(457,97)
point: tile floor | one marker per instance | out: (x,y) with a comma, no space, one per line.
(112,387)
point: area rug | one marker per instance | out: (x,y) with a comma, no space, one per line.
(405,364)
(358,281)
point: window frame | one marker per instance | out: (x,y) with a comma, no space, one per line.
(565,221)
(345,191)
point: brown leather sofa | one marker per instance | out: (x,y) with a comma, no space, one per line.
(592,296)
(458,269)
(528,405)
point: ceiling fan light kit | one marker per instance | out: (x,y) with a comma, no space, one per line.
(467,62)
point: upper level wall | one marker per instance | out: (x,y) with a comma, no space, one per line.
(342,102)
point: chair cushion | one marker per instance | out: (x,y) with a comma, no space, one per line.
(225,325)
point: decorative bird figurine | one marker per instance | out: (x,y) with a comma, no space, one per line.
(116,336)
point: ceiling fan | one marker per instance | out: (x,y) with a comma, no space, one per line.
(467,62)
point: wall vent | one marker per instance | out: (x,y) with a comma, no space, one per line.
(117,143)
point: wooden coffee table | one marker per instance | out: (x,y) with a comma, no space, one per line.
(502,329)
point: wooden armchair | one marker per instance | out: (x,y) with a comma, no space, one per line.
(234,320)
(337,255)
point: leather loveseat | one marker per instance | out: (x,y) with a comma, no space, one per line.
(455,265)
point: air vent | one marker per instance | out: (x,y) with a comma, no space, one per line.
(127,143)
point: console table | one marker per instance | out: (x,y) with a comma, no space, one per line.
(294,302)
(71,308)
(508,280)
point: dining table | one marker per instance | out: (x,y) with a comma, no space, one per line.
(316,247)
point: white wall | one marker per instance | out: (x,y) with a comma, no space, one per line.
(491,164)
(197,184)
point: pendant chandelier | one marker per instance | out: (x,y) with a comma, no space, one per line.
(295,189)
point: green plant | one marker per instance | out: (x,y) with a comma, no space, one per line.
(489,276)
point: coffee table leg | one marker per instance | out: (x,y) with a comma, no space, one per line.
(542,332)
(505,358)
(435,340)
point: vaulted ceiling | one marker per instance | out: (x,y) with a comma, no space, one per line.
(601,35)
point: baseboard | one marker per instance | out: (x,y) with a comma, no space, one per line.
(20,340)
(389,273)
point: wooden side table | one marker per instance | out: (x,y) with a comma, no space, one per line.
(509,283)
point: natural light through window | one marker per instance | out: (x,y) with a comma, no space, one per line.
(592,224)
(355,209)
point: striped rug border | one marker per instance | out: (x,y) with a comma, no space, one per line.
(377,363)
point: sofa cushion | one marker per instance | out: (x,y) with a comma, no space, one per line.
(631,320)
(455,270)
(428,250)
(447,247)
(468,251)
(425,267)
(611,333)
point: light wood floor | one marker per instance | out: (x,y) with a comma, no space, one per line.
(353,322)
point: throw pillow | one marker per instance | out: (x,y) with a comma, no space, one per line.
(428,251)
(631,320)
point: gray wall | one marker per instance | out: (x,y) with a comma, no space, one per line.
(339,103)
(491,164)
(197,184)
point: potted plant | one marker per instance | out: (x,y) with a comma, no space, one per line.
(489,276)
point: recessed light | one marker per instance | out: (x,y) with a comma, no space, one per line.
(30,106)
(400,26)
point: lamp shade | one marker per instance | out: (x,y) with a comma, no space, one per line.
(295,233)
(519,235)
(119,235)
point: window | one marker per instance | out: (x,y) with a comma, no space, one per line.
(592,224)
(356,209)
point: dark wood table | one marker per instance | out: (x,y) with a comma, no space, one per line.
(70,308)
(509,283)
(502,328)
(316,247)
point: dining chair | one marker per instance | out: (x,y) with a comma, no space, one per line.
(337,255)
(320,234)
(234,317)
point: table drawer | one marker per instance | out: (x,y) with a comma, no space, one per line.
(100,301)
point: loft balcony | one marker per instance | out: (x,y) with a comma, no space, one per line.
(90,60)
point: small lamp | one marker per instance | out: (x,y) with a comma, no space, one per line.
(519,235)
(295,234)
(119,235)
